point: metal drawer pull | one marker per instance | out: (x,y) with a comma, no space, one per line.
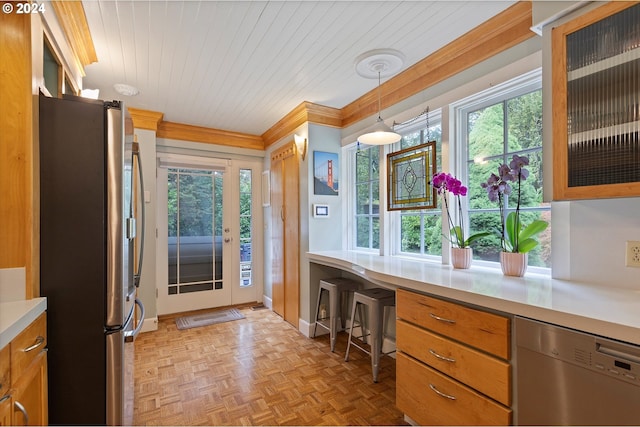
(23,410)
(442,319)
(5,397)
(438,356)
(439,393)
(39,342)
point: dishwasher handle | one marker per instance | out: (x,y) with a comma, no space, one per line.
(617,353)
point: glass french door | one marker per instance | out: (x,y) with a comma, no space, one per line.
(205,236)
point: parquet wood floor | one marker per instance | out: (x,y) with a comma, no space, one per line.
(256,371)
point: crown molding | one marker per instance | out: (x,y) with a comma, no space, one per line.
(305,112)
(185,132)
(145,119)
(74,24)
(505,30)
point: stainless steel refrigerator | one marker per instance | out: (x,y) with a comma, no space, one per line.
(89,258)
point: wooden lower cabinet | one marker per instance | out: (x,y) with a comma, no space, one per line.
(452,365)
(30,394)
(487,374)
(431,398)
(5,411)
(24,399)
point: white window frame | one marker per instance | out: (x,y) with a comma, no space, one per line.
(513,88)
(350,152)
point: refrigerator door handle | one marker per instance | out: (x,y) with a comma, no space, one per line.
(136,154)
(129,336)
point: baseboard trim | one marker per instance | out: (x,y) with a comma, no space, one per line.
(267,302)
(150,324)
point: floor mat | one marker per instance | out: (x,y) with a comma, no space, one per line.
(204,319)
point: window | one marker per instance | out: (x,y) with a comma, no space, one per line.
(246,193)
(194,230)
(492,128)
(367,198)
(51,70)
(419,232)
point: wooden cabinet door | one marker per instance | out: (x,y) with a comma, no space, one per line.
(285,233)
(291,209)
(31,394)
(5,411)
(277,237)
(595,94)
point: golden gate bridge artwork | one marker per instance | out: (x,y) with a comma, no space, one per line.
(325,173)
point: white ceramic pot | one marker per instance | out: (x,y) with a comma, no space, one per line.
(514,263)
(461,257)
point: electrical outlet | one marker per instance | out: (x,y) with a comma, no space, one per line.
(633,254)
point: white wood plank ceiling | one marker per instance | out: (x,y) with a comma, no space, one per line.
(243,65)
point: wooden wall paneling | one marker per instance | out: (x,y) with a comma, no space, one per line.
(18,218)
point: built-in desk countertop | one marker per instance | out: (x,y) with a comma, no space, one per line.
(15,316)
(608,311)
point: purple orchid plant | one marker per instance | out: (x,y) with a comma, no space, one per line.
(514,236)
(445,183)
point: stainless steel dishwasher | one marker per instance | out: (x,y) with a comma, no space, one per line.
(566,377)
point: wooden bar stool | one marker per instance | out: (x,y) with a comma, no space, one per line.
(376,300)
(335,287)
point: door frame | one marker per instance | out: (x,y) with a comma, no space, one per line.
(231,221)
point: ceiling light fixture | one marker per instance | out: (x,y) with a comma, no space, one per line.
(379,62)
(125,89)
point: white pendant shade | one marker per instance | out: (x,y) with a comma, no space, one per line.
(376,63)
(381,134)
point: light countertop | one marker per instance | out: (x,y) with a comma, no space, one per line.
(15,316)
(608,311)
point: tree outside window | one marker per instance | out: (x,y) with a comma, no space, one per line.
(367,198)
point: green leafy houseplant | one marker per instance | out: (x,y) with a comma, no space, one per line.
(515,236)
(445,183)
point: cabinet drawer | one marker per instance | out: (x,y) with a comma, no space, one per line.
(485,331)
(417,395)
(27,345)
(478,370)
(5,371)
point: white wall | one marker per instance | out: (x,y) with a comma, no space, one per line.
(589,241)
(325,233)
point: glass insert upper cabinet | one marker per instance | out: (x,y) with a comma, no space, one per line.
(596,104)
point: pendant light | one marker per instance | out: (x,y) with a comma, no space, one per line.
(379,61)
